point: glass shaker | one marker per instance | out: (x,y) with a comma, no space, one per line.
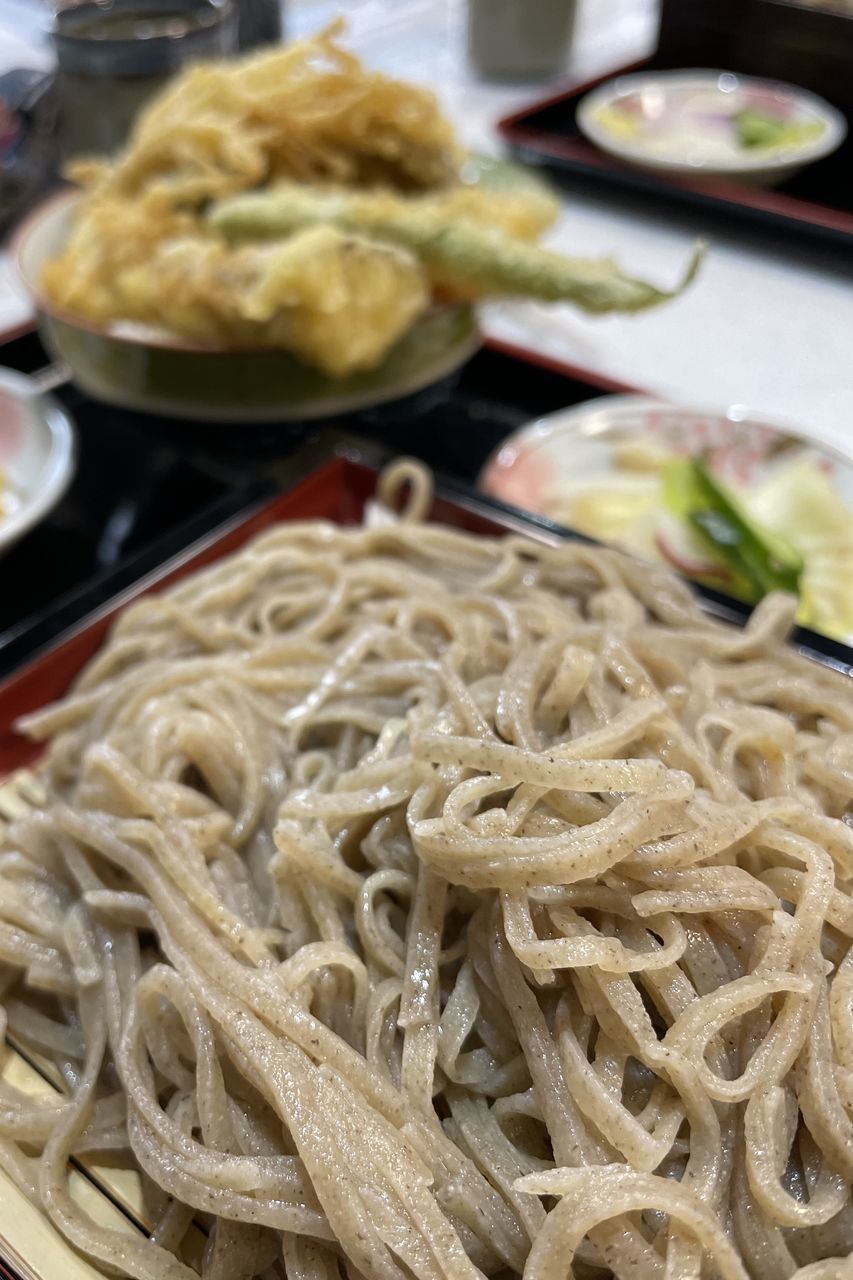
(114,55)
(520,39)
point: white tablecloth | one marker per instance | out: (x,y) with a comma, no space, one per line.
(767,325)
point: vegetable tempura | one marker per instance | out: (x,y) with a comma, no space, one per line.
(463,257)
(335,299)
(308,110)
(293,199)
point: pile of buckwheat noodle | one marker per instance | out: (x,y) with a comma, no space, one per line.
(412,904)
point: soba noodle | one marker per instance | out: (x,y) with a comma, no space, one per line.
(412,904)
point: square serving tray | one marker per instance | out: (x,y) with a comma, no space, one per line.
(338,490)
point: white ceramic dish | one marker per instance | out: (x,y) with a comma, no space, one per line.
(36,455)
(689,123)
(604,469)
(154,371)
(567,451)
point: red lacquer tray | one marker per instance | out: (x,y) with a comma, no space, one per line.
(336,491)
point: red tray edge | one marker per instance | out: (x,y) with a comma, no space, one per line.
(567,90)
(579,373)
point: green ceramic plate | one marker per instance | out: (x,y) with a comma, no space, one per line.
(146,369)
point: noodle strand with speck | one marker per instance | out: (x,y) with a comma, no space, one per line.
(409,903)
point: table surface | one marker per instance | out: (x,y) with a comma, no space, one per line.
(768,325)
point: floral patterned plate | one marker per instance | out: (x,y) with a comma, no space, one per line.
(711,124)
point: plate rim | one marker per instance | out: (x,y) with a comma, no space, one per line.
(547,425)
(620,85)
(59,465)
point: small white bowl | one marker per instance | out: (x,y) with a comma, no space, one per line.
(36,455)
(685,123)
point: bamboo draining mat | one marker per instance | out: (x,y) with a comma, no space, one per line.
(112,1197)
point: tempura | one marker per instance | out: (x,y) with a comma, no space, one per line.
(367,206)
